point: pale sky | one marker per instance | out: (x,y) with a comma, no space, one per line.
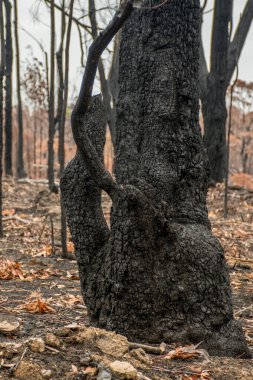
(41,31)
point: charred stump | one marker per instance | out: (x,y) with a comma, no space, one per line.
(157,274)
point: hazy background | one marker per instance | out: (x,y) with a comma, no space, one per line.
(41,30)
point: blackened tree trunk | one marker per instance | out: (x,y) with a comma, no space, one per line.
(20,156)
(8,101)
(51,119)
(59,60)
(62,129)
(2,72)
(158,274)
(225,54)
(105,89)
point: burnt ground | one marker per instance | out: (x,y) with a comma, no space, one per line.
(41,274)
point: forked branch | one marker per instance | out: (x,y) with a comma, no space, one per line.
(102,178)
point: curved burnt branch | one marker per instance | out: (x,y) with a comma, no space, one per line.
(102,178)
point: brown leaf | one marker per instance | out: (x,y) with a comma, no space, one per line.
(37,305)
(187,352)
(10,269)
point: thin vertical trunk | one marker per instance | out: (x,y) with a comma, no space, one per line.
(103,81)
(41,138)
(34,143)
(59,58)
(2,66)
(8,102)
(28,147)
(214,104)
(62,129)
(51,128)
(20,158)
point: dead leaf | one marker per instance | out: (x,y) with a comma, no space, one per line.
(187,352)
(37,305)
(10,269)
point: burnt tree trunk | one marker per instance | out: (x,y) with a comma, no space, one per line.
(20,156)
(225,54)
(51,120)
(8,102)
(2,73)
(157,274)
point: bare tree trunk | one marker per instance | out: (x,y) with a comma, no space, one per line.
(41,139)
(225,55)
(62,130)
(20,156)
(51,127)
(28,145)
(2,72)
(8,102)
(103,81)
(59,59)
(34,143)
(160,242)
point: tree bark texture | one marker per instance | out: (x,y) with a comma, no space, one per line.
(51,120)
(2,73)
(8,102)
(225,54)
(157,274)
(20,157)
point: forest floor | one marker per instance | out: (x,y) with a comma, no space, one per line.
(40,297)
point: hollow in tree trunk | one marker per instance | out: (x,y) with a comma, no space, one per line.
(158,274)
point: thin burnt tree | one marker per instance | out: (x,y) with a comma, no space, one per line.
(2,73)
(59,60)
(20,154)
(62,128)
(157,274)
(51,118)
(225,54)
(8,101)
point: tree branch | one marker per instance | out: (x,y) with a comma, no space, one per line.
(241,33)
(82,25)
(203,71)
(220,37)
(103,81)
(97,171)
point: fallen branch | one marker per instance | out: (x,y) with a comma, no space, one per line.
(157,350)
(17,218)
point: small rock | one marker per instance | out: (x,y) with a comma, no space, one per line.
(88,334)
(52,340)
(140,376)
(63,331)
(9,325)
(103,374)
(46,373)
(108,342)
(86,359)
(123,370)
(90,372)
(112,344)
(36,344)
(140,355)
(9,349)
(28,371)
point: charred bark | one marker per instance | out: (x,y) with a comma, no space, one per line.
(8,102)
(158,274)
(51,119)
(225,54)
(2,73)
(20,157)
